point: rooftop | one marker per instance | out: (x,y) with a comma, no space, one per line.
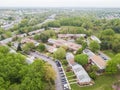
(61,42)
(71,35)
(98,61)
(79,71)
(70,58)
(88,52)
(95,39)
(51,49)
(81,74)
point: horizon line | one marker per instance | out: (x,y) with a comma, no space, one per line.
(53,7)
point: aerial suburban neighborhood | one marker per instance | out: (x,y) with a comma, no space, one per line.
(59,48)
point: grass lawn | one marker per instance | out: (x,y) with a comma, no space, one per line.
(101,83)
(69,73)
(71,78)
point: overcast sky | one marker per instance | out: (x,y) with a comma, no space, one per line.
(59,3)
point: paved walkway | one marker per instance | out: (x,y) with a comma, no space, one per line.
(71,76)
(73,82)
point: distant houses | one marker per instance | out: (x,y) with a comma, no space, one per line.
(21,35)
(5,41)
(82,76)
(55,29)
(28,40)
(51,49)
(70,36)
(36,31)
(61,42)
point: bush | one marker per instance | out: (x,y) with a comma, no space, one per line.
(65,62)
(93,75)
(68,69)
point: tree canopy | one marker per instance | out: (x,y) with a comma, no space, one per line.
(94,46)
(41,47)
(113,65)
(16,74)
(81,59)
(60,53)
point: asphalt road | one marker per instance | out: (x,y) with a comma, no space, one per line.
(50,61)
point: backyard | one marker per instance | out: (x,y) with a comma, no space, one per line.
(103,82)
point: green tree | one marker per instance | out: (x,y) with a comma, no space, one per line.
(94,46)
(80,40)
(81,59)
(84,45)
(4,49)
(1,31)
(23,23)
(43,37)
(93,75)
(115,45)
(41,47)
(19,47)
(3,84)
(79,51)
(113,65)
(39,75)
(60,53)
(16,73)
(11,65)
(37,37)
(108,32)
(94,68)
(8,34)
(28,47)
(107,37)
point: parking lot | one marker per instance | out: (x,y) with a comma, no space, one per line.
(64,80)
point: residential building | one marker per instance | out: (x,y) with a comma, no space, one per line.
(5,41)
(61,42)
(51,49)
(82,76)
(95,59)
(21,35)
(88,52)
(36,31)
(94,38)
(55,29)
(70,58)
(28,40)
(70,36)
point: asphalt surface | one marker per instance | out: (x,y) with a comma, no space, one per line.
(58,82)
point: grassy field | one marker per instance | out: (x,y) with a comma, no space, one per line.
(101,83)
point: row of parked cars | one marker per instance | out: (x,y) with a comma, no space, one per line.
(62,75)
